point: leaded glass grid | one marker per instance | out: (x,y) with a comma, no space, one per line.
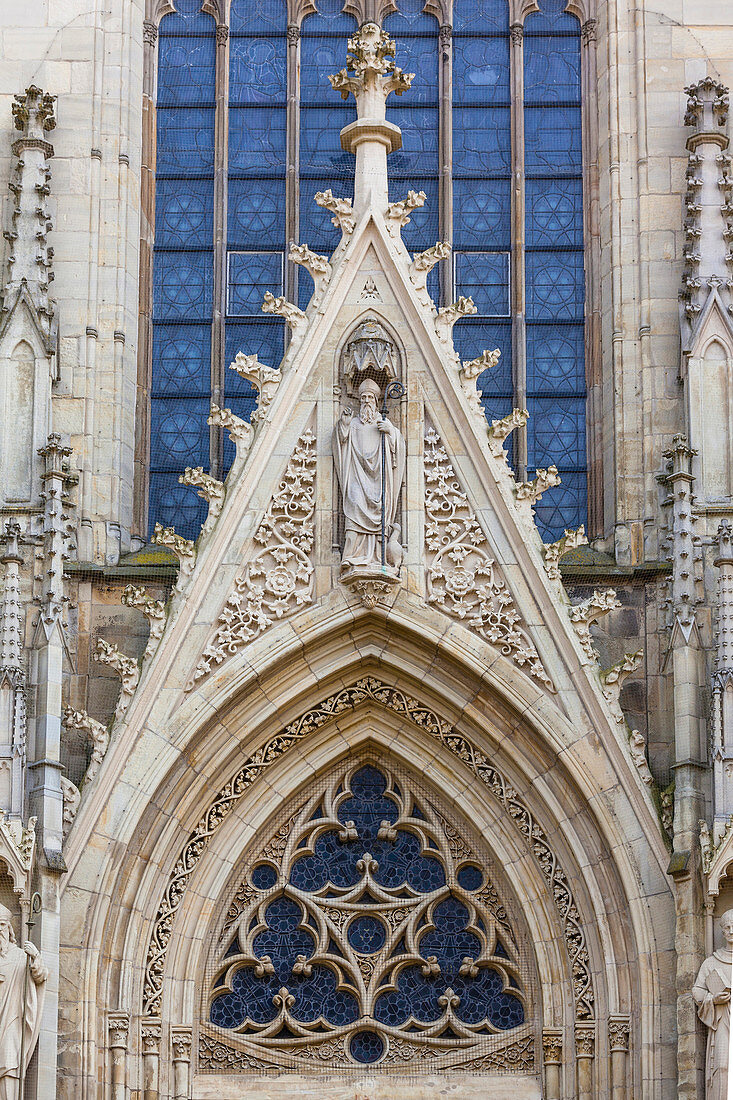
(366,927)
(519,256)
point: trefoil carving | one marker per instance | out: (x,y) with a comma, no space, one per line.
(279,579)
(461,577)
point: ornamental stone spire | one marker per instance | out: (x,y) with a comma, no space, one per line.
(371,74)
(30,257)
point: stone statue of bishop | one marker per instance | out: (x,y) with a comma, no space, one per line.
(366,471)
(22,982)
(712,996)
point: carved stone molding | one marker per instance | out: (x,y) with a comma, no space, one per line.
(430,723)
(585,1041)
(118,1029)
(619,1032)
(150,33)
(181,1043)
(552,1046)
(279,579)
(462,579)
(71,796)
(150,1036)
(17,851)
(588,31)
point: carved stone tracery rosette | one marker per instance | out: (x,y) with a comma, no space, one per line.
(279,579)
(353,913)
(370,689)
(462,579)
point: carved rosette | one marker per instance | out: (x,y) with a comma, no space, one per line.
(461,577)
(279,579)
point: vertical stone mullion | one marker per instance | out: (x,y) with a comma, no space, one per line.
(517,276)
(445,80)
(221,147)
(141,481)
(292,185)
(591,237)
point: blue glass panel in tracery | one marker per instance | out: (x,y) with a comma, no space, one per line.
(555,278)
(183,260)
(366,924)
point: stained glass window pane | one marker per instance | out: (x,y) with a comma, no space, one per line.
(256,209)
(249,276)
(257,70)
(481,70)
(481,16)
(552,138)
(482,213)
(481,141)
(185,145)
(484,276)
(258,17)
(554,211)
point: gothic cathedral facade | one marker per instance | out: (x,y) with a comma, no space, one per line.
(366,549)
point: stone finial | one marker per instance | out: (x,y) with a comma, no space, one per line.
(682,540)
(371,54)
(11,609)
(57,526)
(370,75)
(29,267)
(707,105)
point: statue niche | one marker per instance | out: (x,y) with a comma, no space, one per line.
(369,456)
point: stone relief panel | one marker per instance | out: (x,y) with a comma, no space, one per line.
(462,578)
(368,931)
(279,578)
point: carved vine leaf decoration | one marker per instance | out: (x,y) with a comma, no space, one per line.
(279,579)
(462,579)
(432,724)
(359,893)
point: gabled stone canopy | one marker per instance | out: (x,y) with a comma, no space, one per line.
(259,631)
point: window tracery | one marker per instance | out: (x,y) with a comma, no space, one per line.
(247,133)
(367,928)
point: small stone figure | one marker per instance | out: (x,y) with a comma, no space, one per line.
(712,996)
(22,983)
(357,453)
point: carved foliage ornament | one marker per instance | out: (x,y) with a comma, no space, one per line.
(431,724)
(279,578)
(462,579)
(362,931)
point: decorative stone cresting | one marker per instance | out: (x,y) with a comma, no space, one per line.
(469,372)
(240,431)
(462,579)
(98,735)
(500,430)
(184,549)
(433,725)
(266,380)
(295,317)
(208,488)
(571,540)
(126,668)
(343,215)
(317,266)
(153,610)
(447,316)
(588,611)
(279,579)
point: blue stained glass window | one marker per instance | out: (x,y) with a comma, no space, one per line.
(555,280)
(481,141)
(484,276)
(482,213)
(258,17)
(481,70)
(481,17)
(182,262)
(250,275)
(257,70)
(257,142)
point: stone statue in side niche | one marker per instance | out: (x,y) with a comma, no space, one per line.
(22,983)
(369,453)
(712,996)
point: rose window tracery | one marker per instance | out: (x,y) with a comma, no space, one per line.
(367,931)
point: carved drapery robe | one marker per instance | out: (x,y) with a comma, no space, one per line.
(357,452)
(715,977)
(15,986)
